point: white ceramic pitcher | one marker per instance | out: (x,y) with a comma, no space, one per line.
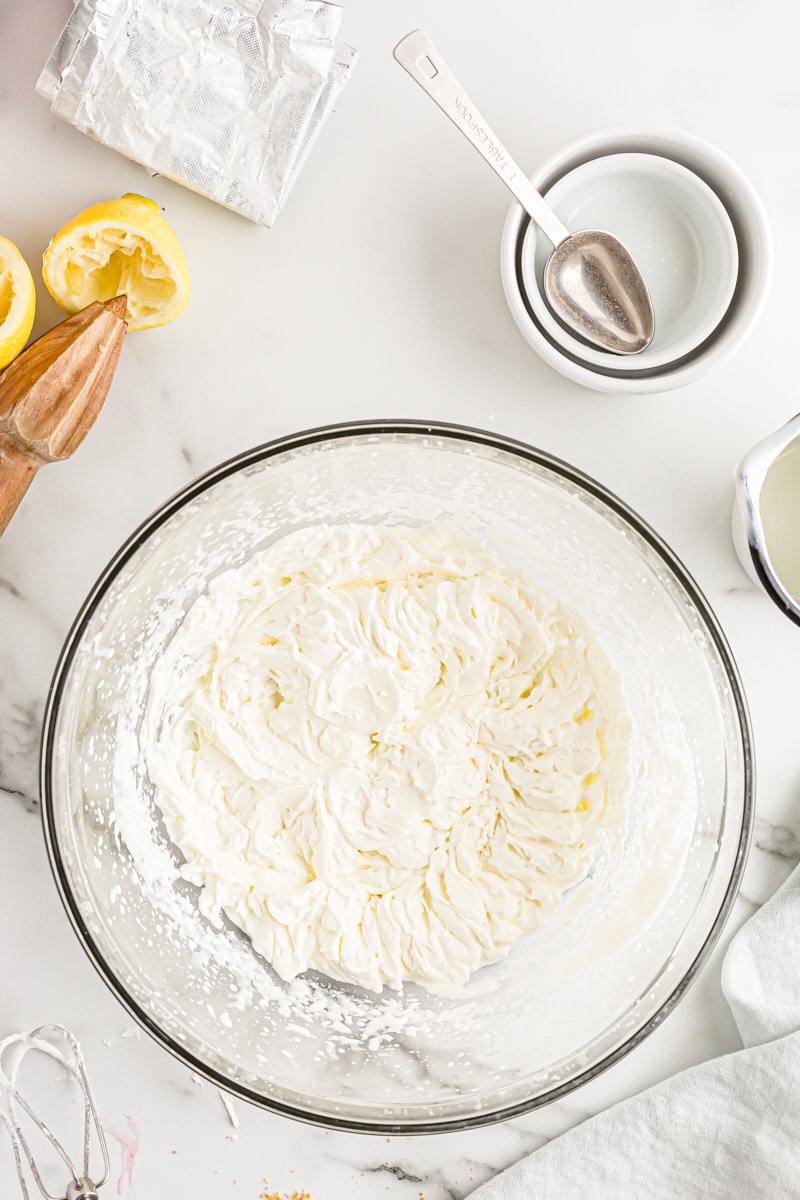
(766,516)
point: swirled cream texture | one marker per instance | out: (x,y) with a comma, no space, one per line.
(381,752)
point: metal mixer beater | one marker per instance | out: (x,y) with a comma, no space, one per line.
(59,1044)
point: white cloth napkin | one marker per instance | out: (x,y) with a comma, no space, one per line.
(727,1129)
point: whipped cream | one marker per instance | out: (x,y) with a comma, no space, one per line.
(382,753)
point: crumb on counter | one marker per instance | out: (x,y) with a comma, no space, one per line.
(302,1194)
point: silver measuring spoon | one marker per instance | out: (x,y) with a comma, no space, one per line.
(590,280)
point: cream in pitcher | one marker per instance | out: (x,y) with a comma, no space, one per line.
(766,518)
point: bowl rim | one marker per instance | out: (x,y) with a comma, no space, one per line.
(333,433)
(701,204)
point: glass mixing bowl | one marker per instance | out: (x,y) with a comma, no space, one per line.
(568,1002)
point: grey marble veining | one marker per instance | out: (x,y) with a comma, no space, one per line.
(781,840)
(19,748)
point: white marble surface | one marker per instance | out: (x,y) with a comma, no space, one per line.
(377,294)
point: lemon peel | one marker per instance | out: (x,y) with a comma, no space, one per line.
(17,302)
(119,247)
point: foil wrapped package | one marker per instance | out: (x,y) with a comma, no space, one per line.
(223,96)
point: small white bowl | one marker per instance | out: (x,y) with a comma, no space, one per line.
(753,239)
(680,236)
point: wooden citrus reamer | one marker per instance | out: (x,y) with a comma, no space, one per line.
(51,394)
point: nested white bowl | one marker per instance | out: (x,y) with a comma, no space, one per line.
(753,241)
(679,234)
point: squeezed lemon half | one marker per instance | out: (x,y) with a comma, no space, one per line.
(119,247)
(17,302)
